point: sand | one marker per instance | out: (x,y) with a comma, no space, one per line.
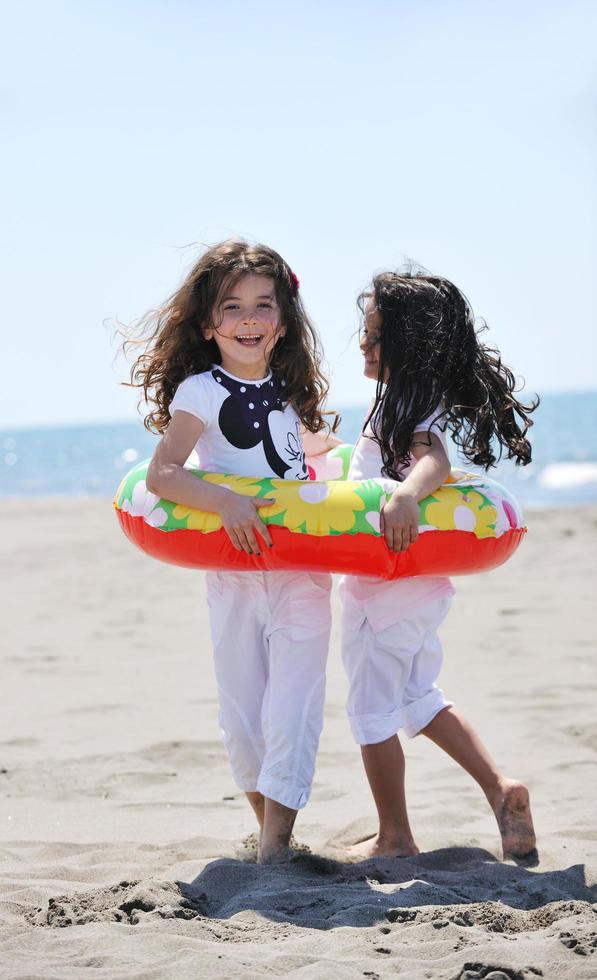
(121,848)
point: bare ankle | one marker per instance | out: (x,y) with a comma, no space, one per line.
(273,855)
(402,845)
(275,835)
(494,788)
(398,843)
(393,834)
(274,845)
(257,803)
(498,788)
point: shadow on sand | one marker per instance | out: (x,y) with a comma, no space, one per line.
(458,886)
(316,892)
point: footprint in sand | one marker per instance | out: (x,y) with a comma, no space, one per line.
(583,946)
(20,743)
(496,917)
(490,971)
(585,734)
(185,754)
(125,902)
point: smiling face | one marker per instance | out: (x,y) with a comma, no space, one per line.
(369,339)
(246,325)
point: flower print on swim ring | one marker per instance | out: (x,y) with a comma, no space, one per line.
(470,524)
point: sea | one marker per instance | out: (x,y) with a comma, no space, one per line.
(89,460)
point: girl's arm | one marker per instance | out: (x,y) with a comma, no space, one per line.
(168,478)
(318,443)
(400,516)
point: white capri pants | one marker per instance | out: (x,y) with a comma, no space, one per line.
(392,659)
(270,634)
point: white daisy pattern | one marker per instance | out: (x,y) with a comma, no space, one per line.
(144,504)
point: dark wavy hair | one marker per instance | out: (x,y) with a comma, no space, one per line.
(174,346)
(434,362)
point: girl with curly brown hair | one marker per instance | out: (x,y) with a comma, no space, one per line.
(232,370)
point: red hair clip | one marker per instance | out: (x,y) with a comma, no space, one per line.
(295,281)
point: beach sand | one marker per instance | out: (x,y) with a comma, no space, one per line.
(121,826)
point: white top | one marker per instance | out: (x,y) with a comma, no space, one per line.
(366,462)
(407,594)
(250,430)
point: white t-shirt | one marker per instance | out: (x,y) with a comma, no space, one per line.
(250,430)
(407,594)
(366,462)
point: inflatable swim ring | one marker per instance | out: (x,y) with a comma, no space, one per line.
(470,524)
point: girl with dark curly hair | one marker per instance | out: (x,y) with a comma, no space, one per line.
(432,373)
(231,368)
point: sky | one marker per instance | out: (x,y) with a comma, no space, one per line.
(348,136)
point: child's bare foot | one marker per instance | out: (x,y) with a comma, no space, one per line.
(274,843)
(378,846)
(250,847)
(274,855)
(512,811)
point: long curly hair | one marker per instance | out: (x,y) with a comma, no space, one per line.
(174,346)
(431,360)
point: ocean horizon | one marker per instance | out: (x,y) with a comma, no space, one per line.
(90,459)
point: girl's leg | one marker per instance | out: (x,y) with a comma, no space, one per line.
(384,764)
(257,803)
(292,710)
(277,830)
(508,798)
(237,617)
(378,650)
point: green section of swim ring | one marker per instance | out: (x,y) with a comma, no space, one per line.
(344,454)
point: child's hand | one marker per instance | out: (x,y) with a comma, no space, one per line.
(241,521)
(399,521)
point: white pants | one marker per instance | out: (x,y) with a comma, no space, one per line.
(270,634)
(392,658)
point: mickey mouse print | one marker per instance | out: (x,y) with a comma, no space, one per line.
(250,429)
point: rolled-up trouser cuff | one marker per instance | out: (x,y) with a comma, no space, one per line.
(293,797)
(247,785)
(420,713)
(370,729)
